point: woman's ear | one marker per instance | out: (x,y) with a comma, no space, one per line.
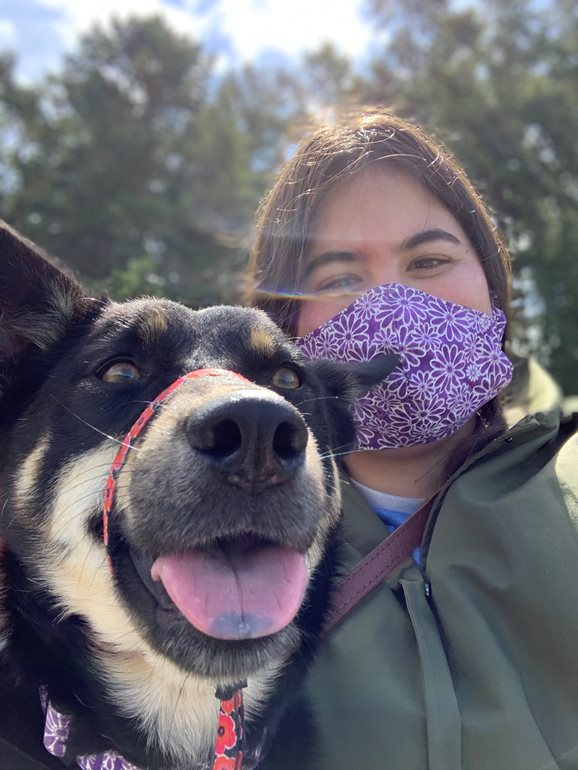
(38,298)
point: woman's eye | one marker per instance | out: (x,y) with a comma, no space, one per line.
(342,284)
(428,263)
(286,378)
(120,372)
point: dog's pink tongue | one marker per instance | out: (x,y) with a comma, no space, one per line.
(243,593)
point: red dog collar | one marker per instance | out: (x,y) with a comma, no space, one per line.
(228,754)
(141,422)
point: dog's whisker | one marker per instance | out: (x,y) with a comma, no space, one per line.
(333,455)
(180,695)
(90,425)
(335,451)
(70,486)
(6,501)
(65,522)
(317,398)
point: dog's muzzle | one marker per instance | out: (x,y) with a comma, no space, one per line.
(242,587)
(140,424)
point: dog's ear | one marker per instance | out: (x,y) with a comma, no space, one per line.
(343,382)
(38,298)
(363,375)
(352,379)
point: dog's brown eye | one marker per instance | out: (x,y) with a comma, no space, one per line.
(286,378)
(120,372)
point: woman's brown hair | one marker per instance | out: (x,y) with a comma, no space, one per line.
(337,152)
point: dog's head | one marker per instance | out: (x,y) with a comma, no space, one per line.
(224,504)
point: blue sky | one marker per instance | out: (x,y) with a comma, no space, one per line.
(41,31)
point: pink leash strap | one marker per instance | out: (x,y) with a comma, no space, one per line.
(378,565)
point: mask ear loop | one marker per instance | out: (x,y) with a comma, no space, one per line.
(228,749)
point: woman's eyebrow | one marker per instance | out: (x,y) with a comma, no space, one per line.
(325,258)
(429,235)
(425,236)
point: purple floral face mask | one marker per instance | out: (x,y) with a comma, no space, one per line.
(452,363)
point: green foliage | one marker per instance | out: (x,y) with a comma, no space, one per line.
(138,276)
(141,164)
(498,82)
(130,169)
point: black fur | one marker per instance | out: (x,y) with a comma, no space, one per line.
(55,344)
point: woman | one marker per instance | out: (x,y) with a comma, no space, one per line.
(467,656)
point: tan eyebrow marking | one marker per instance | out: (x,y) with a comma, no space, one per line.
(153,325)
(28,474)
(261,342)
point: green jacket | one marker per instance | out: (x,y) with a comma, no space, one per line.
(482,672)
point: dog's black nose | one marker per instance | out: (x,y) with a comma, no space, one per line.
(255,442)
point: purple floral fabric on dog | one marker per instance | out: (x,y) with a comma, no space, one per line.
(56,731)
(452,362)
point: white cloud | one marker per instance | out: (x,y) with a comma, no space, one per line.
(41,31)
(7,33)
(250,27)
(78,17)
(254,26)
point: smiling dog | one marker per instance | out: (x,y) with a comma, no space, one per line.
(213,563)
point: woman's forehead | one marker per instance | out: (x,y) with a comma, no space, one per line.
(381,203)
